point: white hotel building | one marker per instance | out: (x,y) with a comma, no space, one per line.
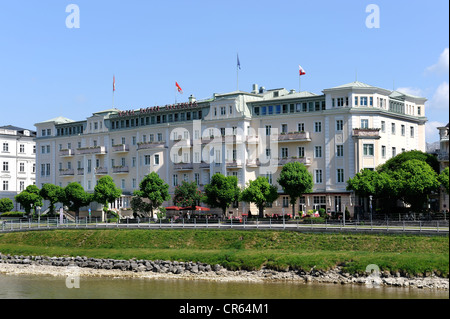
(335,134)
(17,161)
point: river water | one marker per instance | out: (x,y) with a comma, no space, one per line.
(50,287)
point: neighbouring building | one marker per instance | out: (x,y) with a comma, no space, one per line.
(443,161)
(17,160)
(246,134)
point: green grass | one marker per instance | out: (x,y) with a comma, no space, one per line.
(237,249)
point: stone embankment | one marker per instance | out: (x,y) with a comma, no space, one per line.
(58,266)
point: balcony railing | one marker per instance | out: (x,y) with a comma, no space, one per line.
(100,150)
(66,172)
(279,162)
(303,160)
(120,148)
(294,137)
(442,156)
(183,166)
(366,133)
(101,171)
(80,171)
(66,153)
(150,145)
(121,170)
(234,164)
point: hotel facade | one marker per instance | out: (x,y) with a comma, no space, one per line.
(17,160)
(335,134)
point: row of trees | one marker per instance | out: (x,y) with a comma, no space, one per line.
(409,177)
(73,196)
(221,192)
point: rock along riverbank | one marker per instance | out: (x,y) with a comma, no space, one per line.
(164,269)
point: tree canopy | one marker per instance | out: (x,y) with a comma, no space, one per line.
(187,194)
(75,197)
(295,181)
(221,192)
(260,192)
(106,191)
(369,182)
(53,194)
(414,180)
(443,179)
(29,198)
(153,188)
(395,162)
(6,205)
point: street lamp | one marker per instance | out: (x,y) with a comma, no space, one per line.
(370,206)
(39,214)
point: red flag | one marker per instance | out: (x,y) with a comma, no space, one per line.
(301,71)
(179,88)
(114,83)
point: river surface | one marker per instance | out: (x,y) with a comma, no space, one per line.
(50,287)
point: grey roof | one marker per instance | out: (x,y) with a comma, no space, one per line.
(58,120)
(355,84)
(19,130)
(401,95)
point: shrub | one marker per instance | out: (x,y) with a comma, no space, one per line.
(13,214)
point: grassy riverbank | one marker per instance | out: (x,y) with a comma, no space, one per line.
(247,250)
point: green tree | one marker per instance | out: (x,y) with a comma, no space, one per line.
(369,182)
(75,197)
(414,181)
(443,179)
(395,162)
(187,194)
(295,181)
(260,192)
(138,204)
(29,198)
(154,189)
(6,205)
(53,194)
(106,192)
(221,192)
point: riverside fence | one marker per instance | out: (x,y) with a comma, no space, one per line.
(434,227)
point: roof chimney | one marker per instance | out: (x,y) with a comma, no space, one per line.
(255,89)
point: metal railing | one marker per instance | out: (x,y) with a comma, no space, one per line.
(428,227)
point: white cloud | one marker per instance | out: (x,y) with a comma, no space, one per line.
(442,65)
(440,99)
(431,131)
(411,91)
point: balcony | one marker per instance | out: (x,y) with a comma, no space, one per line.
(367,133)
(303,160)
(227,139)
(293,137)
(69,172)
(80,171)
(442,157)
(96,150)
(183,166)
(120,148)
(66,153)
(150,145)
(234,164)
(121,170)
(101,171)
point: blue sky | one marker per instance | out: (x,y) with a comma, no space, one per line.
(48,70)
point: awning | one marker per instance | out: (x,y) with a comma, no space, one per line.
(173,208)
(196,208)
